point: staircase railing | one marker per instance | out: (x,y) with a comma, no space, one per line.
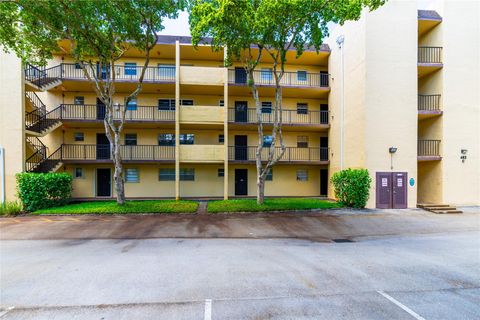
(38,146)
(34,120)
(37,163)
(36,102)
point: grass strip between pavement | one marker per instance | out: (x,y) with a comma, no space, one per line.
(274,204)
(134,206)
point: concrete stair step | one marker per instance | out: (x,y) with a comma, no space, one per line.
(446,208)
(429,205)
(446,211)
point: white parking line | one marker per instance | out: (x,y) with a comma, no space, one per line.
(404,307)
(7,310)
(208,309)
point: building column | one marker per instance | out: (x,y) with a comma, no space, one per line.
(177,120)
(225,129)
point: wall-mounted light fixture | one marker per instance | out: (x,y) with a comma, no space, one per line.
(392,149)
(463,157)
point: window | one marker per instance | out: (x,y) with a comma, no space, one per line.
(130,69)
(186,102)
(266,75)
(187,138)
(302,142)
(267,141)
(78,66)
(301,75)
(269,176)
(131,175)
(79,100)
(221,138)
(132,105)
(130,139)
(187,174)
(78,136)
(166,104)
(266,107)
(166,174)
(221,103)
(302,108)
(166,71)
(166,139)
(78,173)
(302,175)
(221,172)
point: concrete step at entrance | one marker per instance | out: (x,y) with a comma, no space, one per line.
(439,208)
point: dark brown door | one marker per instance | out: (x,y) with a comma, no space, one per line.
(399,186)
(103,146)
(240,75)
(241,182)
(104,183)
(384,190)
(241,111)
(323,182)
(241,149)
(101,110)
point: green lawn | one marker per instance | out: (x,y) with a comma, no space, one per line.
(280,204)
(111,207)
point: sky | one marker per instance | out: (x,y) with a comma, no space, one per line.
(177,27)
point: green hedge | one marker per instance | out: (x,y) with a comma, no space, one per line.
(43,190)
(352,187)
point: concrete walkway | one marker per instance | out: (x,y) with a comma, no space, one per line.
(320,226)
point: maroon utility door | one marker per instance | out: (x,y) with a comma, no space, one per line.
(384,190)
(399,196)
(391,190)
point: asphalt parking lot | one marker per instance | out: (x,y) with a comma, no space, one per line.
(411,265)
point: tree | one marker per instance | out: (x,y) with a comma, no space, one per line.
(250,29)
(99,33)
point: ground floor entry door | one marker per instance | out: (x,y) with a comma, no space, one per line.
(104,183)
(391,190)
(241,182)
(323,182)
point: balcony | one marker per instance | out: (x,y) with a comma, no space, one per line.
(428,150)
(289,79)
(92,112)
(202,114)
(46,78)
(292,155)
(190,75)
(101,153)
(202,153)
(289,117)
(429,105)
(429,60)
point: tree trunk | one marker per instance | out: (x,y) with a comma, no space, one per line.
(260,189)
(118,174)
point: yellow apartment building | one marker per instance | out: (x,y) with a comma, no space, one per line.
(394,92)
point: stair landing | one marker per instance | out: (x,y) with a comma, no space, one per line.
(439,208)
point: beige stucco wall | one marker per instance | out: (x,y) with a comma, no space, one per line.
(461,101)
(12,108)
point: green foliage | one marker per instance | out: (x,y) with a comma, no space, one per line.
(10,208)
(102,29)
(43,190)
(110,207)
(352,187)
(270,24)
(274,204)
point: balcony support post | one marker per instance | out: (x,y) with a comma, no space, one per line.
(225,129)
(177,119)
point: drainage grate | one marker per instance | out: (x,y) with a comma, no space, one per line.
(342,240)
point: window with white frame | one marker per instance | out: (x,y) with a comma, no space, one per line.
(130,139)
(78,136)
(302,108)
(132,104)
(302,142)
(166,174)
(301,75)
(78,173)
(187,138)
(166,104)
(221,172)
(266,107)
(131,175)
(266,75)
(130,69)
(267,141)
(79,100)
(166,71)
(187,174)
(166,139)
(221,103)
(302,175)
(269,176)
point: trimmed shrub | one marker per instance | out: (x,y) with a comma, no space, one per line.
(10,208)
(43,190)
(352,187)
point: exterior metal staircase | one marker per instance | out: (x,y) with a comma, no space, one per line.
(40,163)
(41,78)
(39,121)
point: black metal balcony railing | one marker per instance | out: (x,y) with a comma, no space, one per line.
(429,102)
(94,112)
(128,153)
(241,153)
(122,73)
(292,79)
(288,116)
(428,148)
(430,54)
